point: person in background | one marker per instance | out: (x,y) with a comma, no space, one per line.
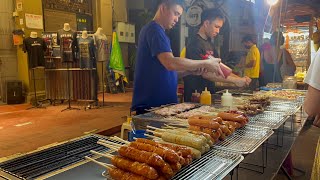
(200,47)
(252,64)
(312,100)
(276,60)
(155,78)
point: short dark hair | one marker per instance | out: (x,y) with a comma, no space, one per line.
(248,38)
(171,3)
(211,14)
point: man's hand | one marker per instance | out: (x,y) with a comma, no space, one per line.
(199,72)
(248,80)
(212,65)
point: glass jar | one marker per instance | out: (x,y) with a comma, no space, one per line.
(290,82)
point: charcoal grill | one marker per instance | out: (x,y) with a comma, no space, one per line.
(42,163)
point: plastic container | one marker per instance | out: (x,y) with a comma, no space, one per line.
(136,134)
(205,97)
(195,97)
(226,99)
(290,82)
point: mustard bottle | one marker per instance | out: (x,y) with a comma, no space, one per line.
(205,97)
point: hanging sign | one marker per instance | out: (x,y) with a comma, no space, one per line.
(34,21)
(19,6)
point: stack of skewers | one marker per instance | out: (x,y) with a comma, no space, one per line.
(171,148)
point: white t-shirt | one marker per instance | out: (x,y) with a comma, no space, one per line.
(313,75)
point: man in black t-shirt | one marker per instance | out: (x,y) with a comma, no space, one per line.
(200,47)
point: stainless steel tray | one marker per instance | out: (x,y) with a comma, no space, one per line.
(245,140)
(215,164)
(269,119)
(289,108)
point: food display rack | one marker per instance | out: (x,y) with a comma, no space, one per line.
(269,119)
(245,140)
(215,164)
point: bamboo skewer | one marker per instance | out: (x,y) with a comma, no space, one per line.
(108,146)
(112,143)
(154,132)
(102,154)
(108,166)
(119,139)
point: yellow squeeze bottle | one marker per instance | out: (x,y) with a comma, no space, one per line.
(205,97)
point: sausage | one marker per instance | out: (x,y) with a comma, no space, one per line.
(167,154)
(141,169)
(196,154)
(202,122)
(195,128)
(232,117)
(175,167)
(225,130)
(179,150)
(222,137)
(118,174)
(185,151)
(216,134)
(235,124)
(149,158)
(232,128)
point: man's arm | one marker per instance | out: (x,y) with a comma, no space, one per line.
(312,101)
(183,64)
(238,81)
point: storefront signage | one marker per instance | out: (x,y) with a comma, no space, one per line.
(34,21)
(19,6)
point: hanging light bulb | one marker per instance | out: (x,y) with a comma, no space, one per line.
(272,2)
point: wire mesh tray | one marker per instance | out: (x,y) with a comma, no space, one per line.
(282,106)
(215,164)
(269,119)
(245,140)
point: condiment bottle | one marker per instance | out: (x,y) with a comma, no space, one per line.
(205,97)
(226,99)
(195,97)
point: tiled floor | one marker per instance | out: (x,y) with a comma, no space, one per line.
(24,130)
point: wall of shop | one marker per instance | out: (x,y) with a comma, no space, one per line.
(8,55)
(24,74)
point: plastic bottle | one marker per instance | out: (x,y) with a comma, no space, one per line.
(226,99)
(195,97)
(205,97)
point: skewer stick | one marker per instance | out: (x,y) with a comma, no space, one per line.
(119,139)
(108,166)
(148,135)
(154,132)
(112,143)
(151,127)
(109,146)
(102,154)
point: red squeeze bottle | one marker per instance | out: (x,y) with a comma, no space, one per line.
(225,70)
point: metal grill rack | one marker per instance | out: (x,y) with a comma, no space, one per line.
(281,106)
(44,162)
(245,140)
(215,164)
(272,120)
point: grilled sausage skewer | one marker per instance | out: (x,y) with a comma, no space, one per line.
(141,169)
(149,158)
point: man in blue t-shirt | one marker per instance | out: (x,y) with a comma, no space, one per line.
(155,81)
